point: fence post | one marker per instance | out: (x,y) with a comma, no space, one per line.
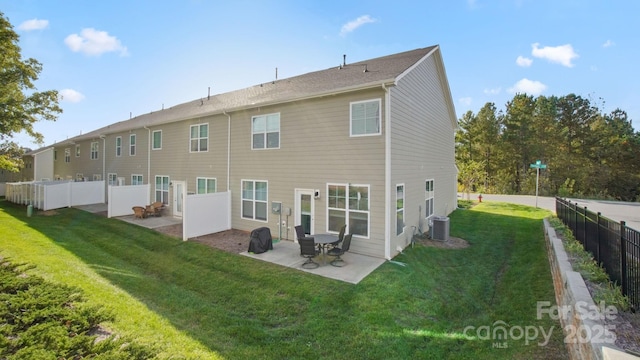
(623,258)
(598,236)
(584,229)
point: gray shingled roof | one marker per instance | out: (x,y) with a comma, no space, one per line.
(333,80)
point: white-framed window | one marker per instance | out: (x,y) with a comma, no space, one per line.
(132,145)
(199,138)
(265,131)
(136,179)
(67,155)
(162,189)
(348,204)
(254,200)
(119,146)
(365,118)
(112,179)
(94,150)
(429,197)
(77,150)
(399,209)
(79,177)
(156,138)
(205,185)
(97,177)
(55,155)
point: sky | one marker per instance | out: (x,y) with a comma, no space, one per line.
(111,60)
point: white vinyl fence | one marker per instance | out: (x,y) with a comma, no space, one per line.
(121,199)
(206,214)
(48,195)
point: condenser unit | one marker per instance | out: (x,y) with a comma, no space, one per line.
(440,228)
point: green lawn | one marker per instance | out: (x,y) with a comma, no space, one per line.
(191,301)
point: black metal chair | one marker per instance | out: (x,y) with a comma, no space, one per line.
(339,251)
(308,250)
(340,237)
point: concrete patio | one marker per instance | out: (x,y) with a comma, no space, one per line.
(287,253)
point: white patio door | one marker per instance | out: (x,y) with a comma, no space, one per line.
(179,189)
(304,207)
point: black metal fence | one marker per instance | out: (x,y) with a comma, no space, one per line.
(612,244)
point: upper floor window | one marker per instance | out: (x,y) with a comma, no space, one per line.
(132,145)
(429,196)
(94,150)
(157,140)
(265,131)
(67,155)
(77,150)
(119,146)
(199,138)
(365,118)
(205,185)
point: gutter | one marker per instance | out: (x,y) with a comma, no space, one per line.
(387,172)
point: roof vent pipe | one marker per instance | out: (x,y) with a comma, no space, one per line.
(276,73)
(209,93)
(344,60)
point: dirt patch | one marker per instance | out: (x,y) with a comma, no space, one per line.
(452,243)
(234,241)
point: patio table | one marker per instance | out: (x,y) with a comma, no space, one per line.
(324,240)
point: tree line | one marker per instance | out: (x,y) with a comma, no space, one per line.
(588,153)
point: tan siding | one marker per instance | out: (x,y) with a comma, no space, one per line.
(422,146)
(315,149)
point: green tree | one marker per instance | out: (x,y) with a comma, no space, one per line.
(21,105)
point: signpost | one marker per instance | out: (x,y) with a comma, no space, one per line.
(538,165)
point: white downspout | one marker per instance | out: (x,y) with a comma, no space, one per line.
(148,161)
(387,173)
(228,147)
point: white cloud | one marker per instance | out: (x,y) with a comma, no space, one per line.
(466,101)
(70,95)
(94,42)
(493,91)
(33,24)
(523,61)
(608,43)
(354,24)
(527,86)
(562,54)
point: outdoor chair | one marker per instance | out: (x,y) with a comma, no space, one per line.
(155,209)
(308,250)
(339,251)
(139,212)
(340,236)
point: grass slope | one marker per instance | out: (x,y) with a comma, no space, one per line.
(191,301)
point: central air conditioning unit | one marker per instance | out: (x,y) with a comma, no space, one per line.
(440,228)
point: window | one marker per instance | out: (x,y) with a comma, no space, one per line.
(199,139)
(162,189)
(254,200)
(399,209)
(94,150)
(136,179)
(348,204)
(205,185)
(428,195)
(112,179)
(132,145)
(265,130)
(55,155)
(79,177)
(365,118)
(67,155)
(97,177)
(119,146)
(77,150)
(157,140)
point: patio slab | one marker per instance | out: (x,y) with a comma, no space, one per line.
(287,253)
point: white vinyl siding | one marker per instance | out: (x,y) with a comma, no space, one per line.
(365,118)
(199,138)
(254,200)
(348,204)
(205,185)
(265,132)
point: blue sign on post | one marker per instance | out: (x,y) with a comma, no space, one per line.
(538,165)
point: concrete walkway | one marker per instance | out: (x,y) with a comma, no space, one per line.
(287,253)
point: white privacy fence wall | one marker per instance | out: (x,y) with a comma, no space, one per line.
(48,195)
(206,214)
(123,198)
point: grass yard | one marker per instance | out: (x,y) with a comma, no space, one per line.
(190,301)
